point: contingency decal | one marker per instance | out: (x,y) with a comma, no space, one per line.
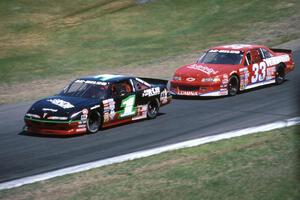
(108,110)
(151,92)
(164,96)
(244,75)
(128,106)
(204,69)
(61,103)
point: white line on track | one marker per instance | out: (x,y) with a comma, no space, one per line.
(150,152)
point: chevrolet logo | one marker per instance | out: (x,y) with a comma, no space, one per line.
(190,79)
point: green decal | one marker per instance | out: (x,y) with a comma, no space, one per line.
(128,106)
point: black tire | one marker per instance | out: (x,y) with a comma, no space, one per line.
(153,109)
(94,122)
(233,85)
(280,74)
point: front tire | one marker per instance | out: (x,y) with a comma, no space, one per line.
(94,122)
(153,109)
(233,85)
(280,74)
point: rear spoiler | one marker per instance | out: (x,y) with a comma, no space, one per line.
(155,81)
(288,51)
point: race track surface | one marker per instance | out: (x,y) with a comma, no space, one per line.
(23,155)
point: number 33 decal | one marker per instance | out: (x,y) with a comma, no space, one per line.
(255,68)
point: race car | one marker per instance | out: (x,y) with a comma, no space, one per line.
(90,103)
(226,70)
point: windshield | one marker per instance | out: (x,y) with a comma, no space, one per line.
(221,57)
(86,89)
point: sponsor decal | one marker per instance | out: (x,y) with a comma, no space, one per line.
(141,112)
(204,69)
(237,46)
(109,110)
(32,115)
(225,79)
(49,109)
(83,118)
(91,82)
(244,75)
(164,96)
(81,130)
(225,51)
(277,59)
(271,73)
(188,93)
(190,79)
(61,103)
(85,111)
(151,92)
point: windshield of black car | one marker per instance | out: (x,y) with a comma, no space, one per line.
(86,89)
(221,57)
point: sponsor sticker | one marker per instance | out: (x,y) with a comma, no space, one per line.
(202,68)
(61,103)
(151,92)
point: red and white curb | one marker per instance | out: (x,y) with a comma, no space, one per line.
(150,152)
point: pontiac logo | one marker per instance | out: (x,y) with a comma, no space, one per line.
(190,79)
(45,114)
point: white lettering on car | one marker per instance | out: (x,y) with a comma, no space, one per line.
(61,103)
(204,69)
(151,92)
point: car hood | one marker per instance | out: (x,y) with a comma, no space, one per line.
(201,70)
(61,105)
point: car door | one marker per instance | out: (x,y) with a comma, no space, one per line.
(257,67)
(125,99)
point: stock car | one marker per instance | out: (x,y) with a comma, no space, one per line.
(90,103)
(226,70)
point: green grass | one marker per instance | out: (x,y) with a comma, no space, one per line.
(260,166)
(46,39)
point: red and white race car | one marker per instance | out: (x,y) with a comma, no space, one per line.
(225,70)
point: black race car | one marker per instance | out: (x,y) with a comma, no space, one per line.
(92,102)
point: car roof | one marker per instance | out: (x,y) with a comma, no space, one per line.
(238,47)
(109,78)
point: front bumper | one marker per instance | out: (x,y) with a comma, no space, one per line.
(184,89)
(52,128)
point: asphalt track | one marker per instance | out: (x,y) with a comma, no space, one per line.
(23,155)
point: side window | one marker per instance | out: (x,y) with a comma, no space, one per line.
(139,86)
(266,53)
(255,56)
(121,89)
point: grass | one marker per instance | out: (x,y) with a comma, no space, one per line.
(46,44)
(260,166)
(48,39)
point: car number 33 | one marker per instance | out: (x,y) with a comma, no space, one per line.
(256,68)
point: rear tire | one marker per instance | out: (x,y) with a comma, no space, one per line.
(233,85)
(153,109)
(280,74)
(94,122)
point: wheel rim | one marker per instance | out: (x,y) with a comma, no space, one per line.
(280,75)
(233,86)
(152,109)
(94,122)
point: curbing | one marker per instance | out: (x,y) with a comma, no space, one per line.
(149,152)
